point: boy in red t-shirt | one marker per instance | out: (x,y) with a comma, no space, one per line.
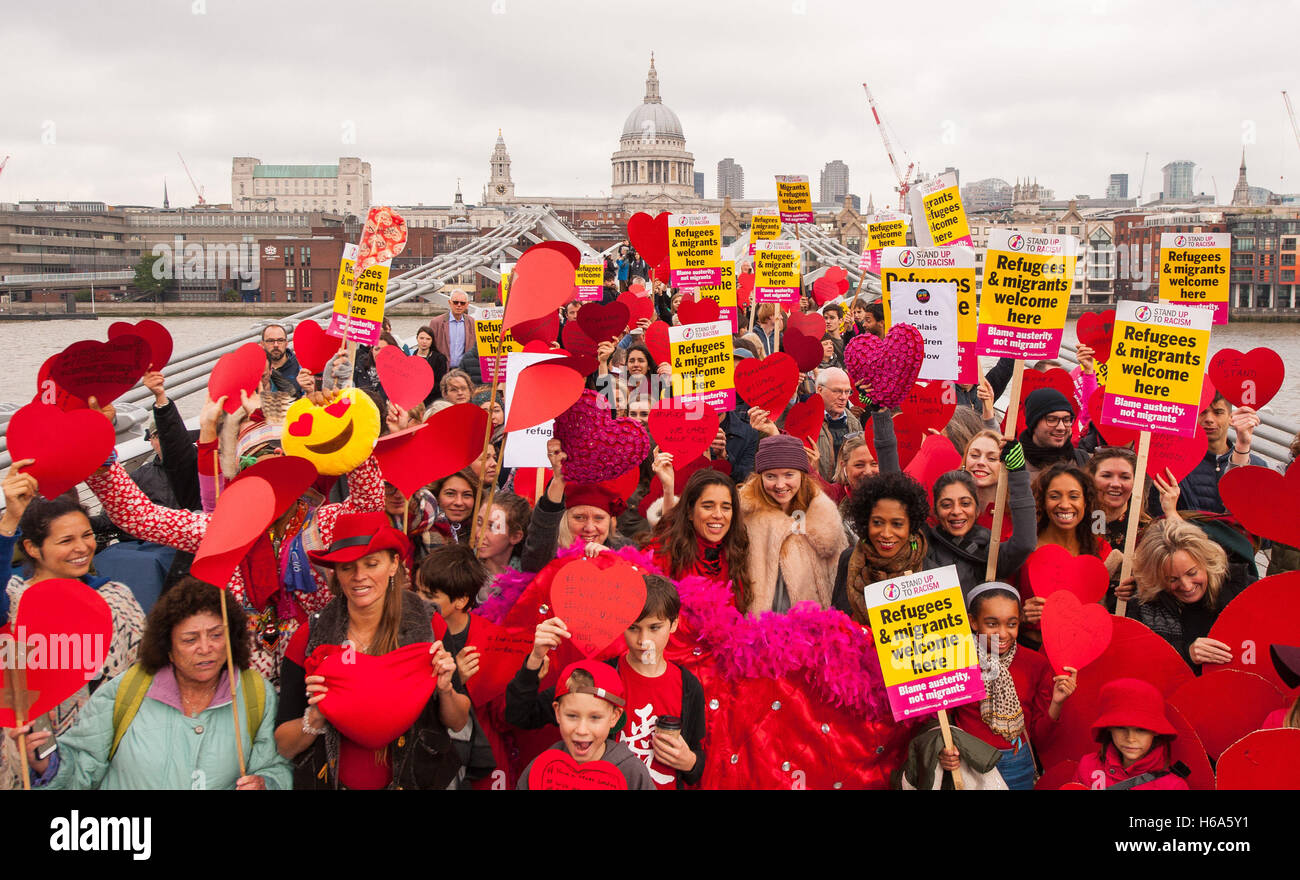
(657,690)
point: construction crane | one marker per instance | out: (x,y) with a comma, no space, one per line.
(1290,111)
(198,190)
(6,161)
(905,178)
(1142,183)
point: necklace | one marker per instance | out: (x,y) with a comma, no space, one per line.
(192,706)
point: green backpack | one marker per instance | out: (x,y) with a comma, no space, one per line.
(135,686)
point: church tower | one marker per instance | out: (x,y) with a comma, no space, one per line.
(500,187)
(1241,194)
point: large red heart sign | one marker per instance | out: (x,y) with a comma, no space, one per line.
(1262,500)
(1074,634)
(656,339)
(806,351)
(288,476)
(374,700)
(603,322)
(834,282)
(1095,330)
(928,406)
(597,604)
(554,770)
(155,334)
(450,440)
(638,306)
(1261,615)
(804,420)
(541,282)
(1051,568)
(1226,705)
(243,512)
(768,383)
(539,331)
(542,392)
(1264,760)
(685,431)
(102,370)
(576,339)
(1250,379)
(406,379)
(1114,435)
(1179,454)
(67,446)
(936,457)
(811,325)
(66,628)
(649,235)
(313,346)
(237,370)
(500,654)
(48,391)
(701,311)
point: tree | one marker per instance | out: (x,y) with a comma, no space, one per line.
(83,295)
(154,280)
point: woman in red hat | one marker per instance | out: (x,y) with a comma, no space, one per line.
(1135,737)
(569,512)
(372,613)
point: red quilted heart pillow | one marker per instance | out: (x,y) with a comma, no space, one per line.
(374,700)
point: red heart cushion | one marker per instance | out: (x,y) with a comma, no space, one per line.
(450,440)
(1261,615)
(597,604)
(236,370)
(1095,330)
(406,379)
(1250,379)
(656,339)
(806,351)
(1074,634)
(649,235)
(102,370)
(890,365)
(1035,379)
(541,282)
(67,628)
(1264,760)
(1226,705)
(702,311)
(767,383)
(804,420)
(153,333)
(374,700)
(554,770)
(685,431)
(67,446)
(598,446)
(1051,568)
(313,346)
(542,392)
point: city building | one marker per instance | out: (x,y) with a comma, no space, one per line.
(1241,193)
(1095,272)
(834,183)
(731,179)
(652,159)
(500,188)
(1179,175)
(1264,257)
(699,184)
(1137,243)
(989,194)
(1117,188)
(343,188)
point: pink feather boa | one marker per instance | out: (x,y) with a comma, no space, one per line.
(833,655)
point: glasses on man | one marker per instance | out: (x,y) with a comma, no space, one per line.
(1058,421)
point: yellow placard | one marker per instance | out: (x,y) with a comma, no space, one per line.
(724,293)
(589,278)
(1194,270)
(487,325)
(886,233)
(504,286)
(1026,292)
(694,249)
(368,301)
(1157,367)
(703,368)
(794,198)
(777,275)
(942,217)
(764,227)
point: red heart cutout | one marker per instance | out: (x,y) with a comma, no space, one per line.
(67,446)
(583,365)
(450,440)
(1058,776)
(554,770)
(541,282)
(1096,330)
(929,405)
(406,379)
(102,370)
(374,700)
(649,235)
(890,365)
(935,458)
(543,330)
(576,339)
(67,628)
(301,426)
(525,482)
(701,311)
(571,253)
(1251,379)
(638,306)
(536,347)
(1226,705)
(602,322)
(1179,454)
(1114,435)
(242,514)
(806,351)
(810,324)
(153,333)
(685,431)
(313,346)
(500,654)
(597,604)
(1051,568)
(1261,615)
(48,391)
(598,447)
(767,383)
(833,283)
(804,420)
(656,339)
(1264,760)
(1074,634)
(1035,379)
(542,392)
(744,286)
(661,270)
(288,476)
(237,370)
(1256,494)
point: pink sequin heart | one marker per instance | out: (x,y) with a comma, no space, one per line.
(598,447)
(890,365)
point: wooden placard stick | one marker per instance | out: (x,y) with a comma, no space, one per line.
(16,696)
(497,369)
(1134,514)
(230,674)
(1000,504)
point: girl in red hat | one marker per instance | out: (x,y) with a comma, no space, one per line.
(1135,737)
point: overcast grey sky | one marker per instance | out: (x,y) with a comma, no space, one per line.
(101,96)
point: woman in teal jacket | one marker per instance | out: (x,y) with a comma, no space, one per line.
(166,723)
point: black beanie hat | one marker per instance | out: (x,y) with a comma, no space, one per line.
(1042,401)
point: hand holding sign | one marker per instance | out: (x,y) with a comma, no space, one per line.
(597,603)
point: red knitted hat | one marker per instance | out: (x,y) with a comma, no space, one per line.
(1131,702)
(595,495)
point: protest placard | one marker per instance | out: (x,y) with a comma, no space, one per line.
(1026,291)
(487,328)
(724,293)
(930,307)
(702,365)
(527,448)
(924,642)
(884,229)
(366,320)
(777,276)
(941,217)
(694,250)
(938,265)
(764,225)
(794,198)
(504,286)
(1157,367)
(589,278)
(1194,270)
